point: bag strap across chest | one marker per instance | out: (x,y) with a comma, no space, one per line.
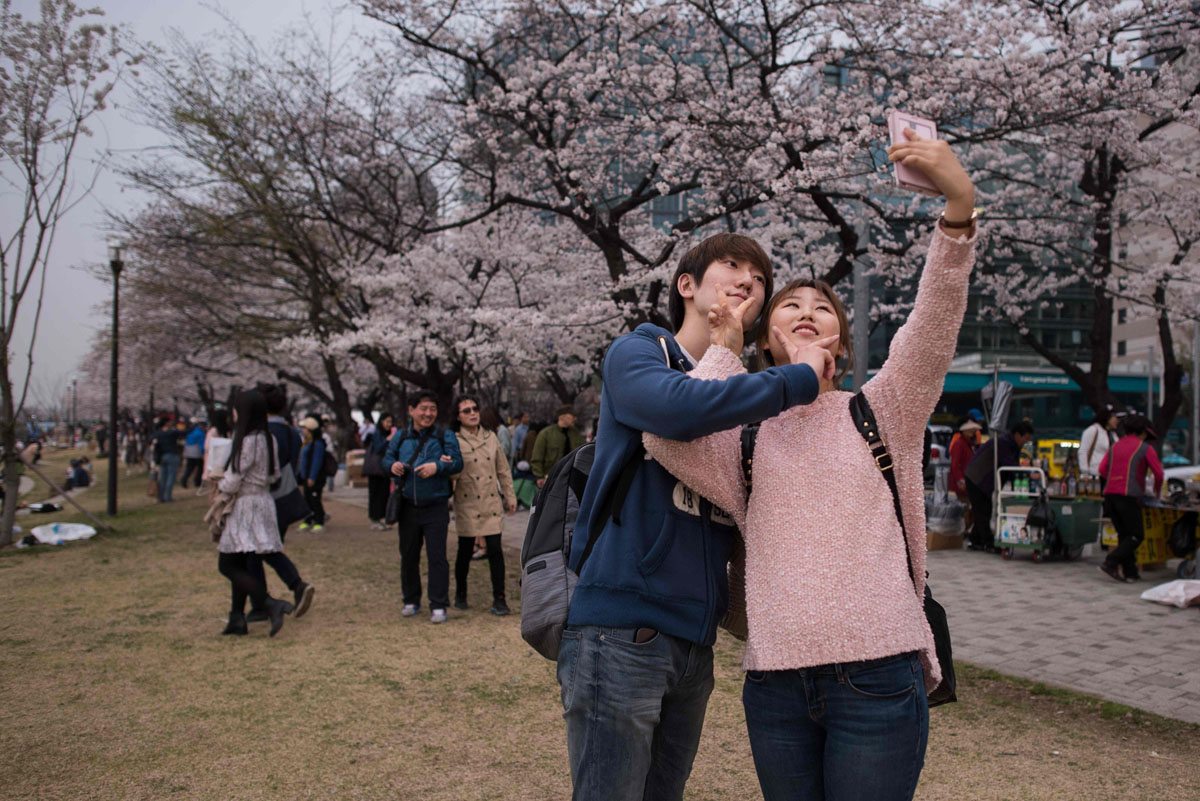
(868,428)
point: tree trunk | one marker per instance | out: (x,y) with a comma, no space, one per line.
(12,460)
(1172,386)
(341,407)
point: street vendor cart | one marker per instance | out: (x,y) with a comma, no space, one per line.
(1047,526)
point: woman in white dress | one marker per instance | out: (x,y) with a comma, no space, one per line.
(250,527)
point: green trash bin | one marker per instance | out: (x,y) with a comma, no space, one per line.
(1078,523)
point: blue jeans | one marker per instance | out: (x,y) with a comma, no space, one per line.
(634,712)
(844,732)
(168,469)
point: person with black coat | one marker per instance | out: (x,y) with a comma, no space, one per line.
(379,484)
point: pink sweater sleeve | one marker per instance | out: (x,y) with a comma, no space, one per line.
(906,389)
(709,465)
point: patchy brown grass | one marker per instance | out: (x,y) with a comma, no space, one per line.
(116,686)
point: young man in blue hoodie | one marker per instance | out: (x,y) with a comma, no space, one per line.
(635,663)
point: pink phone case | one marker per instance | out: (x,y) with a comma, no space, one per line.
(910,177)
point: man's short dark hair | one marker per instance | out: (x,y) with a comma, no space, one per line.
(718,246)
(424,395)
(276,397)
(561,410)
(1024,427)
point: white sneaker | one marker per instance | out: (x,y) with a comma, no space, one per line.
(438,616)
(409,610)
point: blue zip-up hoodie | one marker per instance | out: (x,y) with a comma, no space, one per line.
(196,437)
(312,459)
(664,565)
(412,451)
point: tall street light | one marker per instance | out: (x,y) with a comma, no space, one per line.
(114,261)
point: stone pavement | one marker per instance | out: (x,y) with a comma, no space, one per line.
(1068,624)
(1060,623)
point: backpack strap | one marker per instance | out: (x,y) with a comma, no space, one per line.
(864,421)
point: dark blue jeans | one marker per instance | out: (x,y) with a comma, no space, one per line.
(168,468)
(634,712)
(847,732)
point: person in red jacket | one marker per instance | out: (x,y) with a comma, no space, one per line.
(1124,469)
(962,448)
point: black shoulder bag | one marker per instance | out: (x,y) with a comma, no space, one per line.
(395,501)
(864,421)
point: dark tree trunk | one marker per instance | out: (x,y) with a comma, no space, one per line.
(1172,379)
(12,460)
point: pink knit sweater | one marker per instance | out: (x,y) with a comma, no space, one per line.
(826,576)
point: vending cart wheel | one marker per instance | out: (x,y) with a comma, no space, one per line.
(1186,569)
(1006,553)
(1036,555)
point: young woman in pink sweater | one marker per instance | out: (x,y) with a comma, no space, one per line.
(839,655)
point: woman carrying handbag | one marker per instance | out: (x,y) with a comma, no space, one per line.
(245,512)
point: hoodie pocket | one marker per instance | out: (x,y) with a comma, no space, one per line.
(661,547)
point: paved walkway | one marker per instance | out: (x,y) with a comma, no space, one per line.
(1061,623)
(1067,624)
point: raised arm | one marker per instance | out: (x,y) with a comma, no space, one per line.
(907,388)
(710,465)
(649,396)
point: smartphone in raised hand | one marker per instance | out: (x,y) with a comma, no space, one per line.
(910,177)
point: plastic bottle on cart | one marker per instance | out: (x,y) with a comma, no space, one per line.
(1072,486)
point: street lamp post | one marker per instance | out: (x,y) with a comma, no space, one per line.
(114,261)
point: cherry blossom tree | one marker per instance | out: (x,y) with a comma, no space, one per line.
(56,72)
(640,124)
(286,172)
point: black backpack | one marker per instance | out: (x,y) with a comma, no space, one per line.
(1182,539)
(329,465)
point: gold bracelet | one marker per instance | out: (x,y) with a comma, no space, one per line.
(967,223)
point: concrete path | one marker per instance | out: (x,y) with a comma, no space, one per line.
(1068,624)
(1061,623)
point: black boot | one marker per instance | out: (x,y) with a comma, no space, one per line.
(276,609)
(236,624)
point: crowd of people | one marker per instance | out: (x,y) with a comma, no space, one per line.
(840,655)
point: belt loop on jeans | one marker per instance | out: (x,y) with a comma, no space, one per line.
(840,671)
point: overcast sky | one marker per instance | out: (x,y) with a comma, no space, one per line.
(71,317)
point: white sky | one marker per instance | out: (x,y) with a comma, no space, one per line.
(70,316)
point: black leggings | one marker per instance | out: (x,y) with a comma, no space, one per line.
(462,564)
(235,567)
(378,489)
